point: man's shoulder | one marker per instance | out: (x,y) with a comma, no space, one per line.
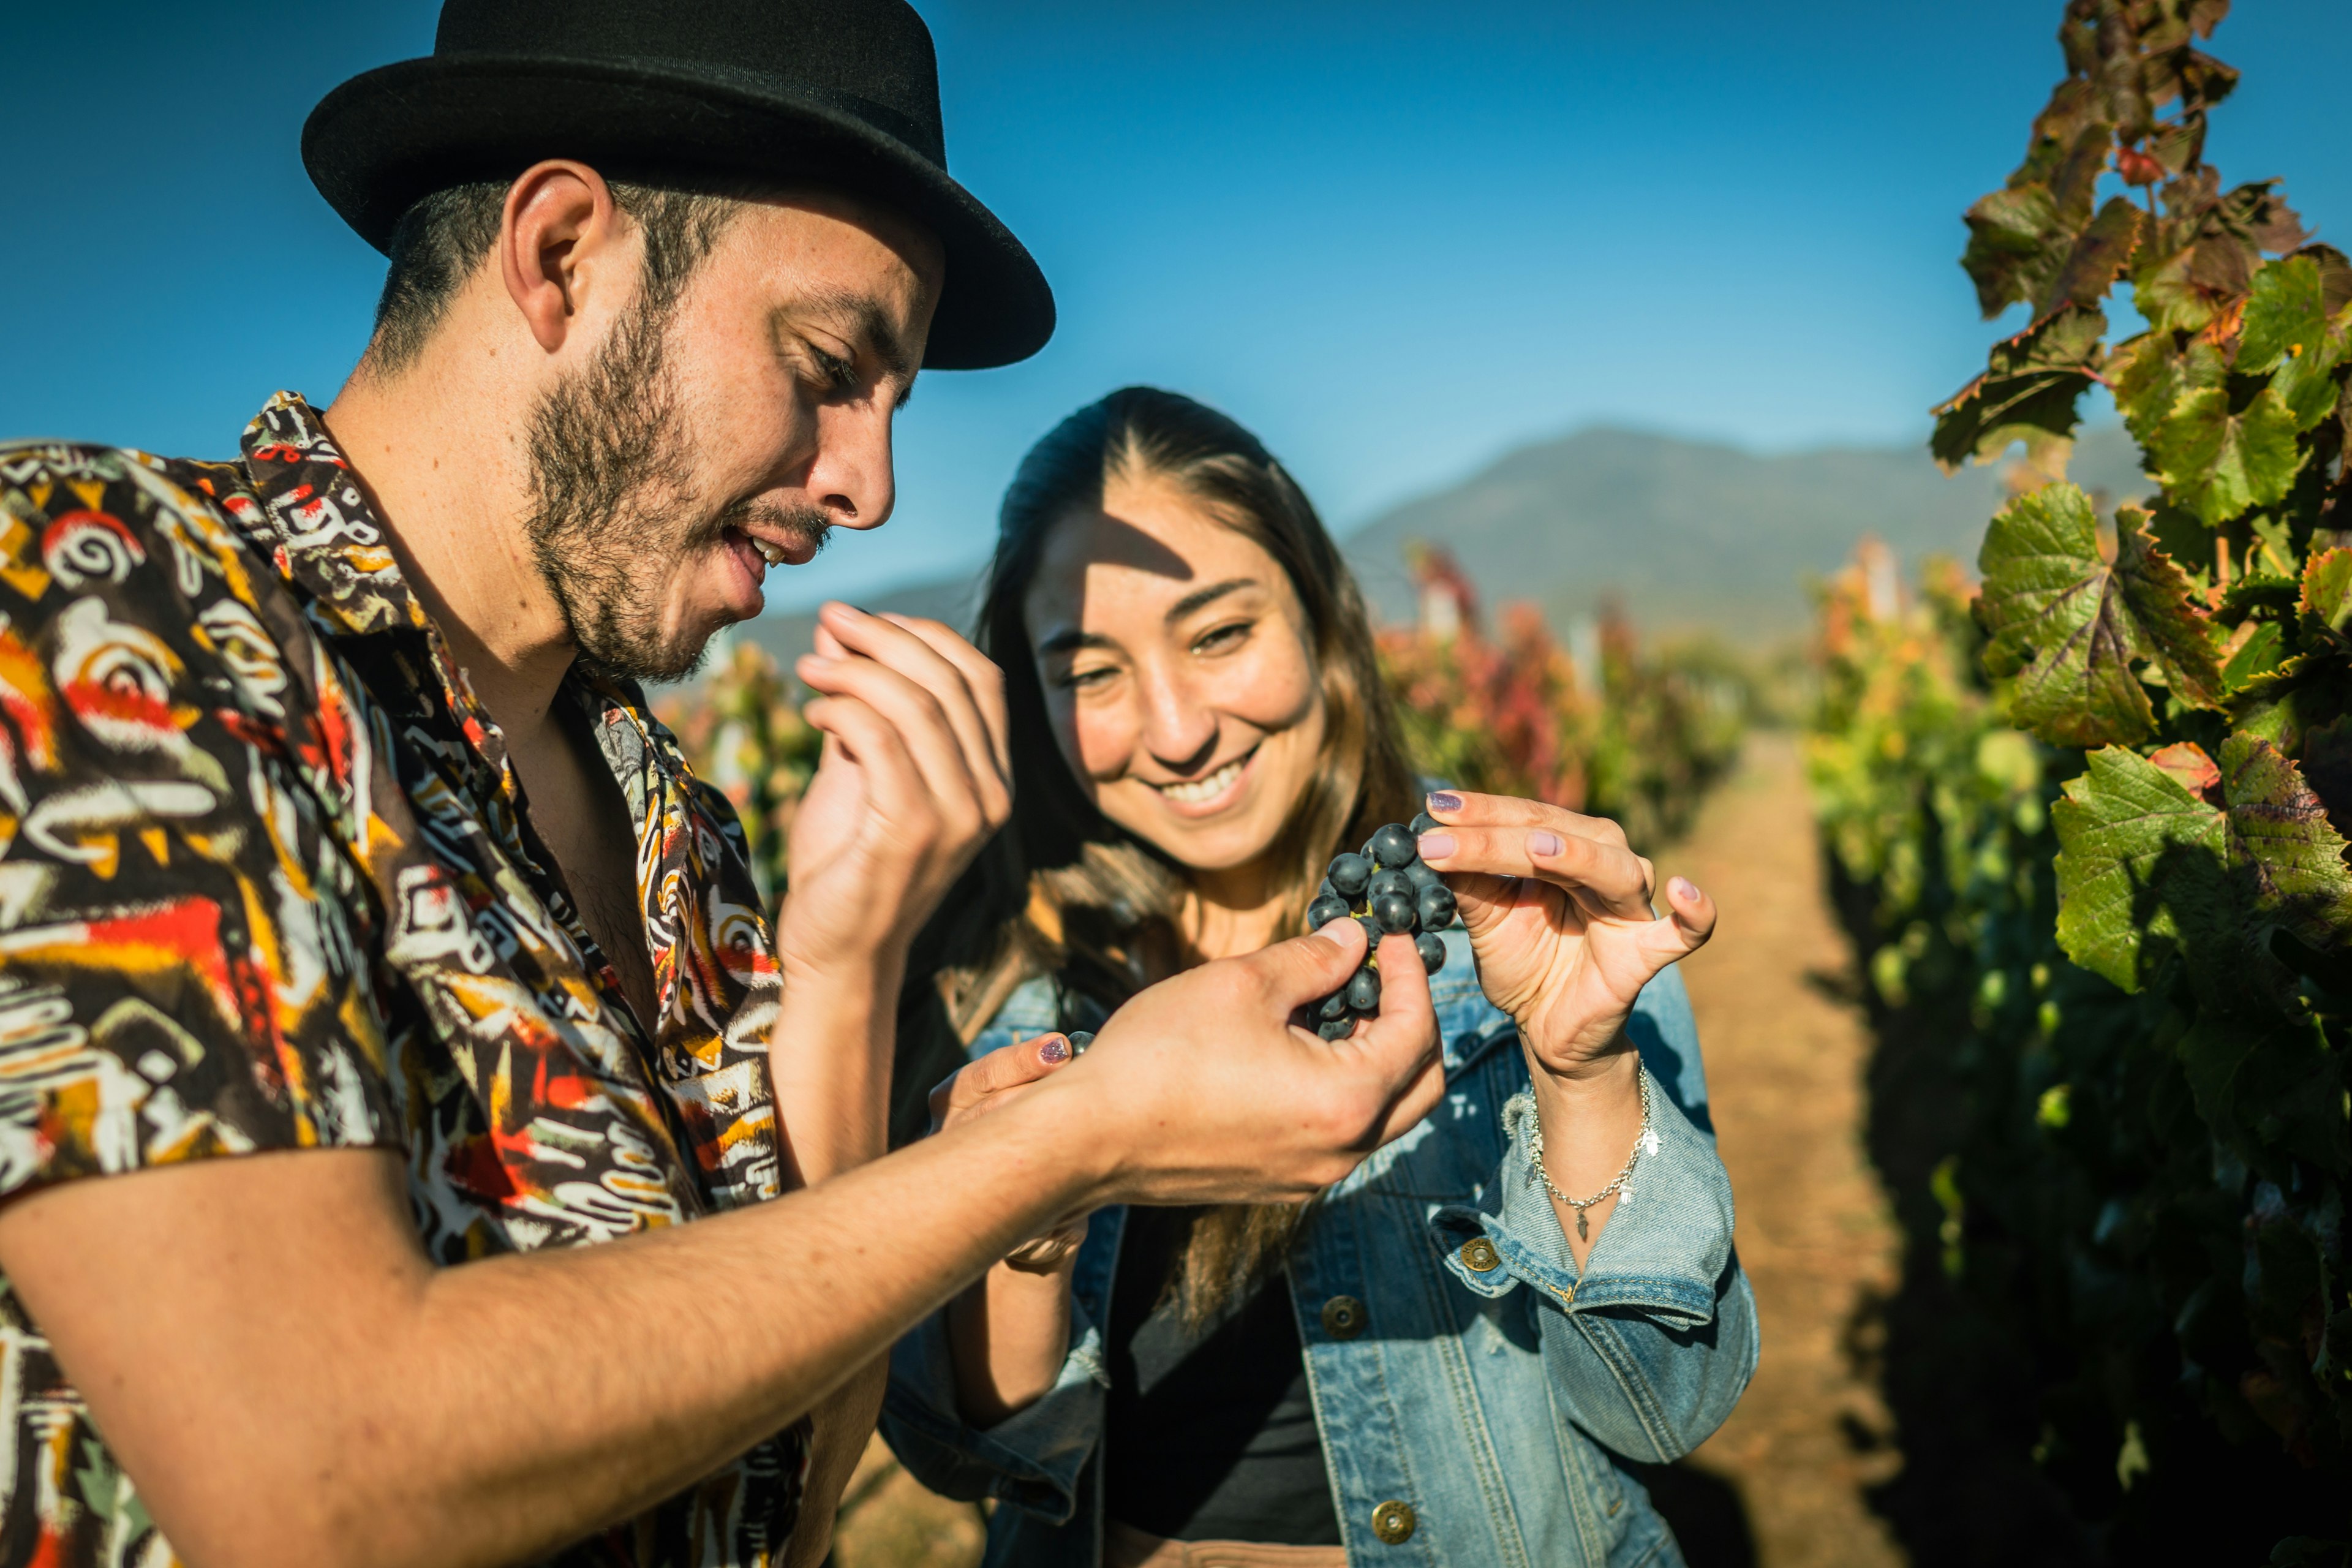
(78,516)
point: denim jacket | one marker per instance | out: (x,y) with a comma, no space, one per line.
(1477,1396)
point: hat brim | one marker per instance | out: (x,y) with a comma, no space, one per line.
(383,139)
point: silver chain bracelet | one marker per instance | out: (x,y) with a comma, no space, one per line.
(1645,1143)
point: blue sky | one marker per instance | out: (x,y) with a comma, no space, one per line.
(1395,239)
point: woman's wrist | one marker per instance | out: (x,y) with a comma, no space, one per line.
(1592,1112)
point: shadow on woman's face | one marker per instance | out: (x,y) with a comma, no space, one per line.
(1180,675)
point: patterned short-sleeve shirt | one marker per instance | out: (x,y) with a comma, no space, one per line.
(266,882)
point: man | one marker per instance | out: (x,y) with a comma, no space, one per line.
(366,950)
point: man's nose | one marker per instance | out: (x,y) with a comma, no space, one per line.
(851,481)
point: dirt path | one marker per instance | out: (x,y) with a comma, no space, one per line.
(1781,1486)
(1785,1065)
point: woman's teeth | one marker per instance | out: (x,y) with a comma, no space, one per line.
(1209,788)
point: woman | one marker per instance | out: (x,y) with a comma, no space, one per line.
(1451,1356)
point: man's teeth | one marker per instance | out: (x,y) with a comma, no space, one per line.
(774,554)
(1209,788)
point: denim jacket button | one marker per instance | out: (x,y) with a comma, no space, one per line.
(1479,1256)
(1394,1522)
(1343,1317)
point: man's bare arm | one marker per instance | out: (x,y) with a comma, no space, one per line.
(287,1378)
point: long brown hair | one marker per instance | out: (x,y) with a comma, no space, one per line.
(1064,892)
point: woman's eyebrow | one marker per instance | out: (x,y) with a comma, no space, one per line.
(1065,641)
(1200,597)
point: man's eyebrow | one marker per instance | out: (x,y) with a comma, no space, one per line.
(869,327)
(1200,597)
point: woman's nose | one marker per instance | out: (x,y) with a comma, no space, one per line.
(1180,732)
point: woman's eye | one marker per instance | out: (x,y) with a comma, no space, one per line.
(1219,638)
(1081,678)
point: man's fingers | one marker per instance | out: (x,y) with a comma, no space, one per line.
(893,781)
(913,711)
(1608,878)
(922,652)
(1308,968)
(979,674)
(1417,1100)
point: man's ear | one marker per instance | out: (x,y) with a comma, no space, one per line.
(560,236)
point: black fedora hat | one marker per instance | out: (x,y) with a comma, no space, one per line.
(843,93)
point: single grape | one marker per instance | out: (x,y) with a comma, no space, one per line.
(1324,889)
(1421,874)
(1386,883)
(1323,912)
(1393,845)
(1435,908)
(1080,1040)
(1394,912)
(1431,948)
(1349,873)
(1372,931)
(1364,989)
(1336,1028)
(1425,823)
(1335,1006)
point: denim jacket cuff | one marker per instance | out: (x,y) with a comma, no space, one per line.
(1661,1254)
(1031,1460)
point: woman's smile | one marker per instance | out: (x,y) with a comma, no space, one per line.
(1211,792)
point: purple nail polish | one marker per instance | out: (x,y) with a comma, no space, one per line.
(1437,845)
(1444,800)
(1682,888)
(1543,841)
(1055,1050)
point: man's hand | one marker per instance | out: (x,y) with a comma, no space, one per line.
(1206,1090)
(913,781)
(1557,906)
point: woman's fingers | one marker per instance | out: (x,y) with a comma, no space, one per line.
(989,1081)
(1690,913)
(1607,879)
(1470,809)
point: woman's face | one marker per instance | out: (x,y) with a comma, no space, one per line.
(1179,674)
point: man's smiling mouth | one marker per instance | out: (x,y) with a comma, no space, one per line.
(1192,791)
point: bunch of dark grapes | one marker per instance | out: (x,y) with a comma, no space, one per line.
(1389,890)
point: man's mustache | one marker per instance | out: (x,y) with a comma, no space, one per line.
(803,525)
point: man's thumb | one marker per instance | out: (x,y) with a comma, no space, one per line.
(1308,967)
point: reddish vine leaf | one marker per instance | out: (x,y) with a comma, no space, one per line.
(2186,764)
(2028,392)
(2096,258)
(2071,625)
(2325,606)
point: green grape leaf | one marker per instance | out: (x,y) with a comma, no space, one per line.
(2326,605)
(2070,624)
(2289,337)
(2023,238)
(2150,865)
(2258,655)
(2218,462)
(2028,392)
(2122,823)
(2279,825)
(2149,375)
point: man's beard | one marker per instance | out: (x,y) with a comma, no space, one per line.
(615,514)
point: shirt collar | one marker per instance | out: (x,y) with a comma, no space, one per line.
(320,530)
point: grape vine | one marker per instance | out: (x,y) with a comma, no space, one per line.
(2154,955)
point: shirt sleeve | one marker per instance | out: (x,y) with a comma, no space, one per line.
(184,939)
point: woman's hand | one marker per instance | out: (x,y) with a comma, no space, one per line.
(989,1083)
(1558,912)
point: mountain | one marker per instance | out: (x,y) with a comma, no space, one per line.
(1690,536)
